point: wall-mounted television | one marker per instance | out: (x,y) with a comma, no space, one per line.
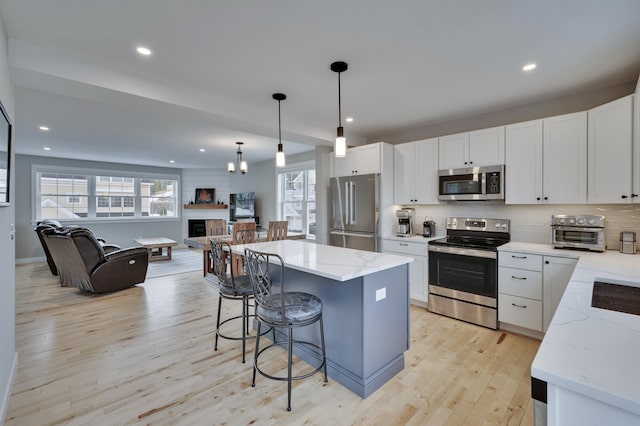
(5,156)
(242,205)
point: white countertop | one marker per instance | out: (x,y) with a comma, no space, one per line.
(336,263)
(591,351)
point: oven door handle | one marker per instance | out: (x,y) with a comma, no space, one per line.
(577,228)
(464,251)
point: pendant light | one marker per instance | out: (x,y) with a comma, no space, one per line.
(280,159)
(242,165)
(340,148)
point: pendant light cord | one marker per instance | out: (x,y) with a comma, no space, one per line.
(279,125)
(339,103)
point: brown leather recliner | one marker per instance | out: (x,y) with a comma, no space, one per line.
(54,224)
(82,262)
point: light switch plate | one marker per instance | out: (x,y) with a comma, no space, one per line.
(381,293)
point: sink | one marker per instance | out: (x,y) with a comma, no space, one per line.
(616,295)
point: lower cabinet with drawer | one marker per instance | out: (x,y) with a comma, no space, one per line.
(520,289)
(530,287)
(418,269)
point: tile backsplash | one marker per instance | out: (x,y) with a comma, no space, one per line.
(531,223)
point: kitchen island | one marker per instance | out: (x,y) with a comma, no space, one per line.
(365,297)
(587,368)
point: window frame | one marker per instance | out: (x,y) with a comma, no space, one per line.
(91,174)
(304,166)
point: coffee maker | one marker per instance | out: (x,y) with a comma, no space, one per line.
(404,228)
(428,227)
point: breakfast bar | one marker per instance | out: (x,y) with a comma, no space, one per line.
(365,298)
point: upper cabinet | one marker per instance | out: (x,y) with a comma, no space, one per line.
(416,172)
(546,161)
(564,158)
(523,163)
(471,149)
(610,142)
(359,160)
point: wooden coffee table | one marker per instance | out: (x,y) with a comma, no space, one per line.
(155,247)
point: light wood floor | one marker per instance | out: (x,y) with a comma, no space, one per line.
(145,356)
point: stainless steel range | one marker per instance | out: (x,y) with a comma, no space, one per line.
(463,269)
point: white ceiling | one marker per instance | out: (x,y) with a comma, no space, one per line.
(215,65)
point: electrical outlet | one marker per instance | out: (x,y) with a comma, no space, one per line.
(381,293)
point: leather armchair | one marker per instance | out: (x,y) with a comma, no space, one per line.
(54,224)
(82,262)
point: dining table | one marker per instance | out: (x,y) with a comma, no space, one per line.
(204,243)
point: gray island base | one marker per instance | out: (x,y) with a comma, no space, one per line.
(365,297)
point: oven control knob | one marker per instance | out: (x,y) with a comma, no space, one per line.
(572,221)
(591,221)
(504,226)
(580,221)
(561,221)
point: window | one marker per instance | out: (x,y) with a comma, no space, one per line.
(72,194)
(297,198)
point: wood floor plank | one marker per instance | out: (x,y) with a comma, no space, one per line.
(145,356)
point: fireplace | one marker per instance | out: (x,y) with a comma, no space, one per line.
(197,228)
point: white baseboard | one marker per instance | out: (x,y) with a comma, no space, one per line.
(4,402)
(30,260)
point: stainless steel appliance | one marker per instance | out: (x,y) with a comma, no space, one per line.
(628,242)
(404,227)
(463,269)
(585,232)
(428,228)
(472,183)
(355,209)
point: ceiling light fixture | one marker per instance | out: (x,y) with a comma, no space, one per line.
(529,67)
(44,128)
(143,51)
(349,119)
(340,148)
(280,159)
(242,165)
(46,148)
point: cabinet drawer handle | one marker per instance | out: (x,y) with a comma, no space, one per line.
(518,278)
(519,306)
(404,244)
(518,257)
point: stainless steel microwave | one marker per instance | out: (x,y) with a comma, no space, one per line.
(472,183)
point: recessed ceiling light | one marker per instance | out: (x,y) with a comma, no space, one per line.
(143,51)
(202,149)
(171,161)
(46,148)
(349,119)
(44,128)
(529,67)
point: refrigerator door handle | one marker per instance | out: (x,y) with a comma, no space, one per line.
(347,202)
(351,234)
(352,199)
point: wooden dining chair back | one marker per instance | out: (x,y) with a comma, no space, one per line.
(278,230)
(243,233)
(216,227)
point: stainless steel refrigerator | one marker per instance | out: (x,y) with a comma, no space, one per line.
(355,208)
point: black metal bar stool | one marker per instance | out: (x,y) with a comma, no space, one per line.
(280,309)
(232,286)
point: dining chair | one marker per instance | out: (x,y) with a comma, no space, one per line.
(215,227)
(278,230)
(242,233)
(281,309)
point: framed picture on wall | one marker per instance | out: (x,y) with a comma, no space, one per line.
(5,156)
(205,195)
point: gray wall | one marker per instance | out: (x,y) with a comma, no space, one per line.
(8,355)
(562,105)
(121,232)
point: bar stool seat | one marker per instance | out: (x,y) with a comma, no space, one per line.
(280,309)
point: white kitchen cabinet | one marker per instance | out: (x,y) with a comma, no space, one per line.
(416,172)
(520,292)
(359,160)
(556,272)
(523,163)
(418,269)
(471,149)
(610,153)
(564,159)
(546,161)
